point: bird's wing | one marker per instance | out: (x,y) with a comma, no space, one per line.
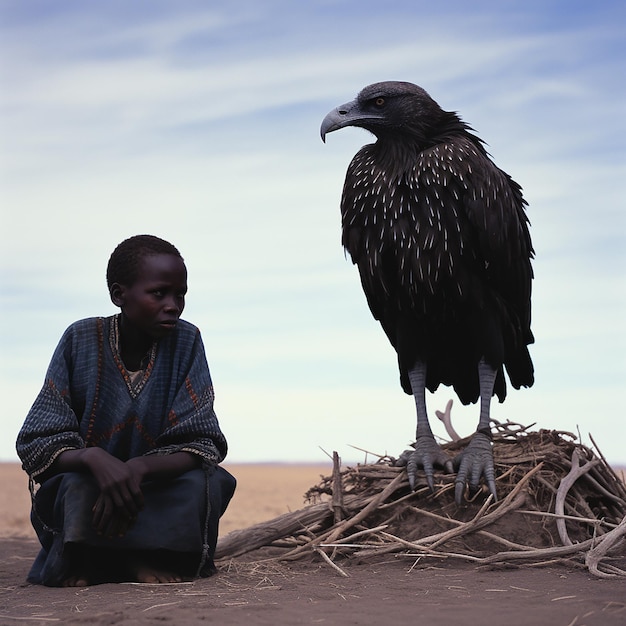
(486,209)
(454,217)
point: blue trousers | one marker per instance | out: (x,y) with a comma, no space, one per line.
(180,519)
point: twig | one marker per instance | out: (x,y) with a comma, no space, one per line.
(337,502)
(429,550)
(157,606)
(381,497)
(566,484)
(30,619)
(361,533)
(513,501)
(484,533)
(326,453)
(538,553)
(594,556)
(446,417)
(333,565)
(619,483)
(465,528)
(586,520)
(239,542)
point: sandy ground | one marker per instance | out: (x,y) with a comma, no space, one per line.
(254,590)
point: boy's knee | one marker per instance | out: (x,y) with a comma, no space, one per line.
(228,482)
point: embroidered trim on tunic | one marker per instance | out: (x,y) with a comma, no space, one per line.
(135,381)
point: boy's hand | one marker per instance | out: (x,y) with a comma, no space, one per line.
(110,521)
(120,497)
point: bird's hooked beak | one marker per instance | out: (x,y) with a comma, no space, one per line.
(349,114)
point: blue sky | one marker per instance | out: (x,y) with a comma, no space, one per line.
(199,122)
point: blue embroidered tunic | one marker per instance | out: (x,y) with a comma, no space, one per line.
(89,399)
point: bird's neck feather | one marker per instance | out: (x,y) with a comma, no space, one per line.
(397,150)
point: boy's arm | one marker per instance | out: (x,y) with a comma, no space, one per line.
(162,466)
(121,499)
(109,470)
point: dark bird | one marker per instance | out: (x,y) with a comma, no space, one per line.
(440,238)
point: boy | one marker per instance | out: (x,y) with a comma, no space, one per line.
(123,438)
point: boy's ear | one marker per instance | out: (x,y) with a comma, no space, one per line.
(117,291)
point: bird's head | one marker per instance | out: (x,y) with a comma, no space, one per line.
(387,109)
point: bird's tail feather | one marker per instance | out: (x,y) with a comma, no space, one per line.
(520,369)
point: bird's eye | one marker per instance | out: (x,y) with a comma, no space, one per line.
(379,102)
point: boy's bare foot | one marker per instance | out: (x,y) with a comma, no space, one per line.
(146,574)
(76,580)
(141,572)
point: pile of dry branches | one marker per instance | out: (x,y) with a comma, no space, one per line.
(558,501)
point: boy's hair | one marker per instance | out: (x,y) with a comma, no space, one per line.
(124,262)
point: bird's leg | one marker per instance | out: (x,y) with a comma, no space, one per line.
(477,458)
(427,452)
(486,380)
(417,378)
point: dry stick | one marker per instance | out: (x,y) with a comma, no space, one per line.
(582,505)
(594,556)
(484,533)
(592,559)
(594,521)
(557,561)
(550,487)
(481,521)
(566,484)
(398,543)
(511,502)
(557,551)
(337,501)
(446,417)
(306,548)
(509,426)
(346,542)
(429,551)
(466,527)
(32,619)
(408,496)
(596,479)
(463,529)
(506,474)
(332,534)
(619,483)
(351,538)
(333,565)
(310,545)
(615,570)
(368,551)
(239,542)
(363,513)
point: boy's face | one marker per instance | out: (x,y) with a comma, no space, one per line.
(155,301)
